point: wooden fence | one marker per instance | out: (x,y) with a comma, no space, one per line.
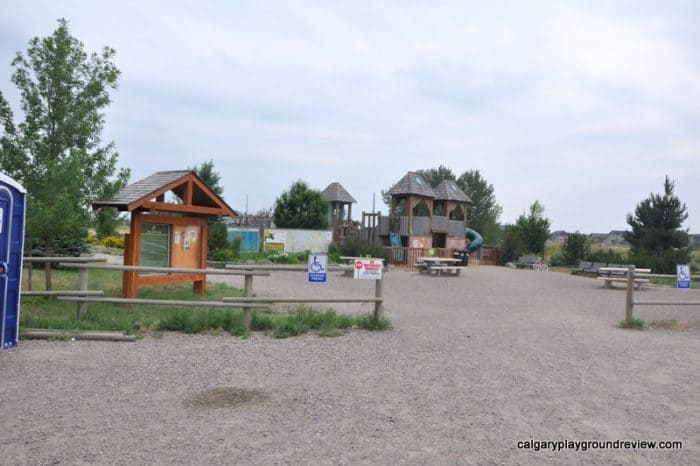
(246,302)
(630,302)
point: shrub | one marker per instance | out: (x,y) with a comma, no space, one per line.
(113,242)
(92,239)
(221,255)
(608,257)
(356,247)
(236,247)
(575,248)
(334,253)
(217,236)
(661,261)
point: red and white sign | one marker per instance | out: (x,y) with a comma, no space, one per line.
(369,269)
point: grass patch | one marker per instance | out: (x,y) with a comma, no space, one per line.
(139,319)
(672,324)
(635,324)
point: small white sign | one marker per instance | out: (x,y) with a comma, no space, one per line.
(369,269)
(318,268)
(683,276)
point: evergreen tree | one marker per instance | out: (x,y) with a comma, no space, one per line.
(656,239)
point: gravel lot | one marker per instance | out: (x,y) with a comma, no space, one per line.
(473,365)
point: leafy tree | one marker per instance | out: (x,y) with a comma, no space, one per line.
(511,245)
(533,229)
(657,240)
(301,207)
(576,247)
(217,236)
(57,151)
(484,213)
(211,177)
(435,176)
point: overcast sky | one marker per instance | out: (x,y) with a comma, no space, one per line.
(584,106)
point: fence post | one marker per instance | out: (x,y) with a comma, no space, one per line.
(29,285)
(82,286)
(378,294)
(247,292)
(629,304)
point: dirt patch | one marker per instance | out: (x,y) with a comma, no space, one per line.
(226,397)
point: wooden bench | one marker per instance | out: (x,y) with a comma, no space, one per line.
(526,262)
(446,269)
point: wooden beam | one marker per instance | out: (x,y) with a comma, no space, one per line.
(185,209)
(188,193)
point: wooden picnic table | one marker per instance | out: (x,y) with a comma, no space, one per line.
(439,265)
(619,274)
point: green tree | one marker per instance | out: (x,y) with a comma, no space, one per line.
(217,237)
(656,239)
(301,207)
(57,151)
(435,176)
(484,213)
(211,177)
(511,245)
(576,247)
(533,229)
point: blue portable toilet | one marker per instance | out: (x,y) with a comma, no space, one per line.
(12,211)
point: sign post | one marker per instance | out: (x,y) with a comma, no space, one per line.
(683,276)
(318,268)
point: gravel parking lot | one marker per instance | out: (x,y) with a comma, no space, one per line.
(474,365)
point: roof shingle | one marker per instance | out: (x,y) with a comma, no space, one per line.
(412,183)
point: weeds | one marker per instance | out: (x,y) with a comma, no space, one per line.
(635,324)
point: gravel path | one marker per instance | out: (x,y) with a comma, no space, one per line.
(474,365)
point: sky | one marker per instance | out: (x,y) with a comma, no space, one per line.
(585,106)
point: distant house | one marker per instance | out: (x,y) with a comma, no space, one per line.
(558,236)
(616,237)
(598,238)
(694,240)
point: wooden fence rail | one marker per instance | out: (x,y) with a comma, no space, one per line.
(246,302)
(630,302)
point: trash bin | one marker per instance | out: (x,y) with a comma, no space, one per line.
(462,255)
(12,210)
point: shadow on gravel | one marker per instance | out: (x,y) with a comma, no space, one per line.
(226,397)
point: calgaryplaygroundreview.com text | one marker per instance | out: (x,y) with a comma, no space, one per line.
(585,445)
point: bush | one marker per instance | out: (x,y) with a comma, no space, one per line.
(660,262)
(221,255)
(92,239)
(334,253)
(217,236)
(575,248)
(608,257)
(511,245)
(113,242)
(355,247)
(236,246)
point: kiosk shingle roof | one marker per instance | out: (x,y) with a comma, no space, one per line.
(412,183)
(448,190)
(142,188)
(335,192)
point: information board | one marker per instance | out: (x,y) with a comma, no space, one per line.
(369,269)
(683,276)
(155,245)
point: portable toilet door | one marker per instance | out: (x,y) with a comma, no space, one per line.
(12,212)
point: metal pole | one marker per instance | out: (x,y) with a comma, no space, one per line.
(82,286)
(378,294)
(629,304)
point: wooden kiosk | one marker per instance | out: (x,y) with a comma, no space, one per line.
(167,233)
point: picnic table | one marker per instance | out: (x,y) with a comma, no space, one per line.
(439,265)
(619,274)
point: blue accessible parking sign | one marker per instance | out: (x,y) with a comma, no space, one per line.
(683,276)
(317,268)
